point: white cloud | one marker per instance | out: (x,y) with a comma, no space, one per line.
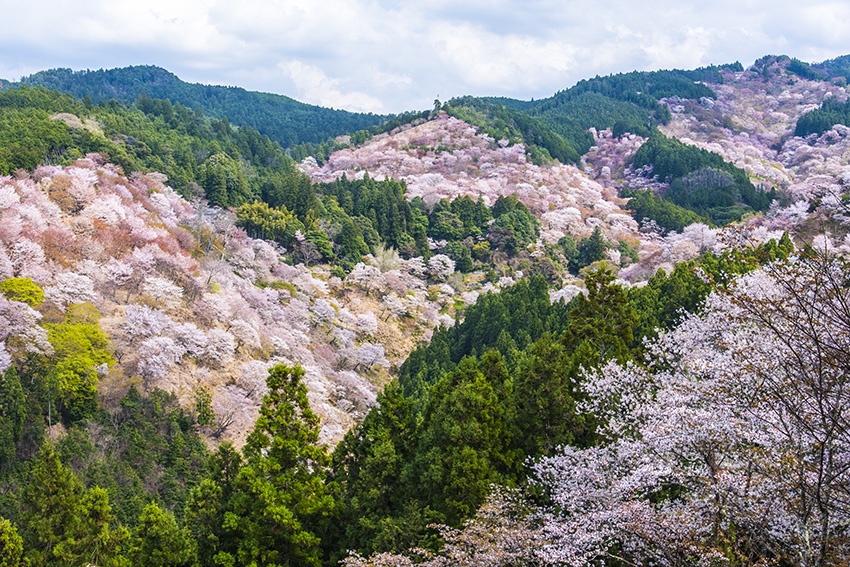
(487,60)
(317,88)
(391,56)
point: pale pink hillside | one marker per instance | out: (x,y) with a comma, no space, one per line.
(189,300)
(751,119)
(446,158)
(751,124)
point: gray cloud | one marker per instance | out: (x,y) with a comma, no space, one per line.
(383,56)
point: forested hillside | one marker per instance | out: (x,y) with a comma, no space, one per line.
(281,118)
(557,127)
(608,327)
(231,164)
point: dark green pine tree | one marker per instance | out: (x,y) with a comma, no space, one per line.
(12,415)
(279,499)
(50,503)
(463,447)
(367,469)
(63,524)
(94,538)
(11,545)
(600,324)
(590,250)
(208,503)
(543,404)
(160,542)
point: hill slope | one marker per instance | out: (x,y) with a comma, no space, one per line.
(283,119)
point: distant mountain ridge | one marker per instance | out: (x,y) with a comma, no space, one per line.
(283,119)
(558,126)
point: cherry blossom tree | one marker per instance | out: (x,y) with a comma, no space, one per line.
(157,355)
(142,321)
(440,267)
(162,292)
(27,258)
(730,445)
(245,334)
(323,311)
(367,323)
(116,274)
(369,354)
(190,338)
(501,534)
(5,358)
(220,348)
(367,277)
(20,331)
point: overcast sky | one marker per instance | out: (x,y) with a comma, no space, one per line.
(382,56)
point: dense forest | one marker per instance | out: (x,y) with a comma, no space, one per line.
(697,417)
(819,120)
(556,127)
(227,166)
(700,181)
(231,164)
(281,118)
(342,221)
(135,485)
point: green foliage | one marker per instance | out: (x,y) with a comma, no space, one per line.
(601,321)
(49,504)
(647,205)
(30,137)
(348,218)
(267,511)
(203,406)
(662,302)
(94,537)
(474,215)
(461,254)
(23,290)
(522,311)
(375,503)
(504,122)
(381,206)
(627,251)
(463,442)
(13,413)
(80,348)
(513,227)
(544,399)
(470,420)
(463,223)
(224,180)
(272,223)
(805,70)
(624,102)
(64,524)
(837,69)
(232,164)
(320,151)
(11,545)
(701,180)
(160,542)
(147,449)
(590,250)
(281,118)
(711,73)
(821,119)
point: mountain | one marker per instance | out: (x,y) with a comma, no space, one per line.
(283,119)
(557,126)
(641,343)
